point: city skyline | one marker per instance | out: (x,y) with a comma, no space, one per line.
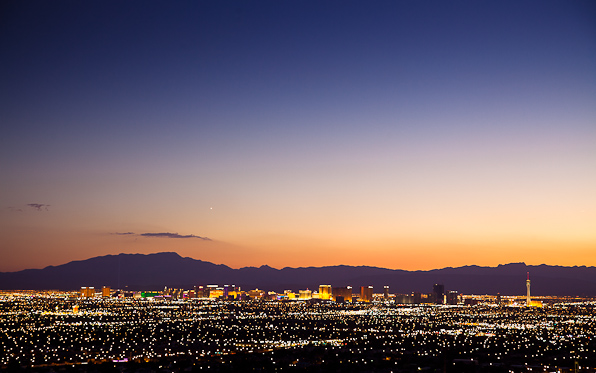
(397,134)
(154,271)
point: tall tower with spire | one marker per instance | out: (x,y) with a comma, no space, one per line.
(528,287)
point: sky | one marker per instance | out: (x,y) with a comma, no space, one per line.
(398,134)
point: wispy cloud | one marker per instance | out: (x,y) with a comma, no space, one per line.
(39,206)
(14,209)
(173,235)
(161,235)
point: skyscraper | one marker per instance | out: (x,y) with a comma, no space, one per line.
(528,300)
(386,292)
(342,294)
(325,291)
(305,294)
(366,293)
(200,291)
(439,293)
(452,297)
(87,292)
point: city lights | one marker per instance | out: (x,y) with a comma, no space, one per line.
(44,329)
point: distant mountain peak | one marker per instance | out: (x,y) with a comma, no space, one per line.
(520,264)
(162,253)
(156,270)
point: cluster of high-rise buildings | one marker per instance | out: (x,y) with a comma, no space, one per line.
(338,294)
(90,292)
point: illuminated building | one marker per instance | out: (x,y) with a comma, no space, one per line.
(452,297)
(87,292)
(105,291)
(324,291)
(174,293)
(290,294)
(305,294)
(366,293)
(234,292)
(210,291)
(528,300)
(216,293)
(439,293)
(342,294)
(201,291)
(386,292)
(256,293)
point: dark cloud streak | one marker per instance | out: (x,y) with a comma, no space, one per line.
(173,235)
(39,206)
(161,235)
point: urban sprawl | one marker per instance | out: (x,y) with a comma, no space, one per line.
(226,329)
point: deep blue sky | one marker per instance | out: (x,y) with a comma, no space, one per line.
(429,118)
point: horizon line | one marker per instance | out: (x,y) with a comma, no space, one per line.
(303,267)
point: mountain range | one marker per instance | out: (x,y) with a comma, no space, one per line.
(155,271)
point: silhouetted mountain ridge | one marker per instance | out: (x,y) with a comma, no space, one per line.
(155,271)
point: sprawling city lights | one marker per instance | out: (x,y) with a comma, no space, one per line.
(44,329)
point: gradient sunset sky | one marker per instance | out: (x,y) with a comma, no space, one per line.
(399,134)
